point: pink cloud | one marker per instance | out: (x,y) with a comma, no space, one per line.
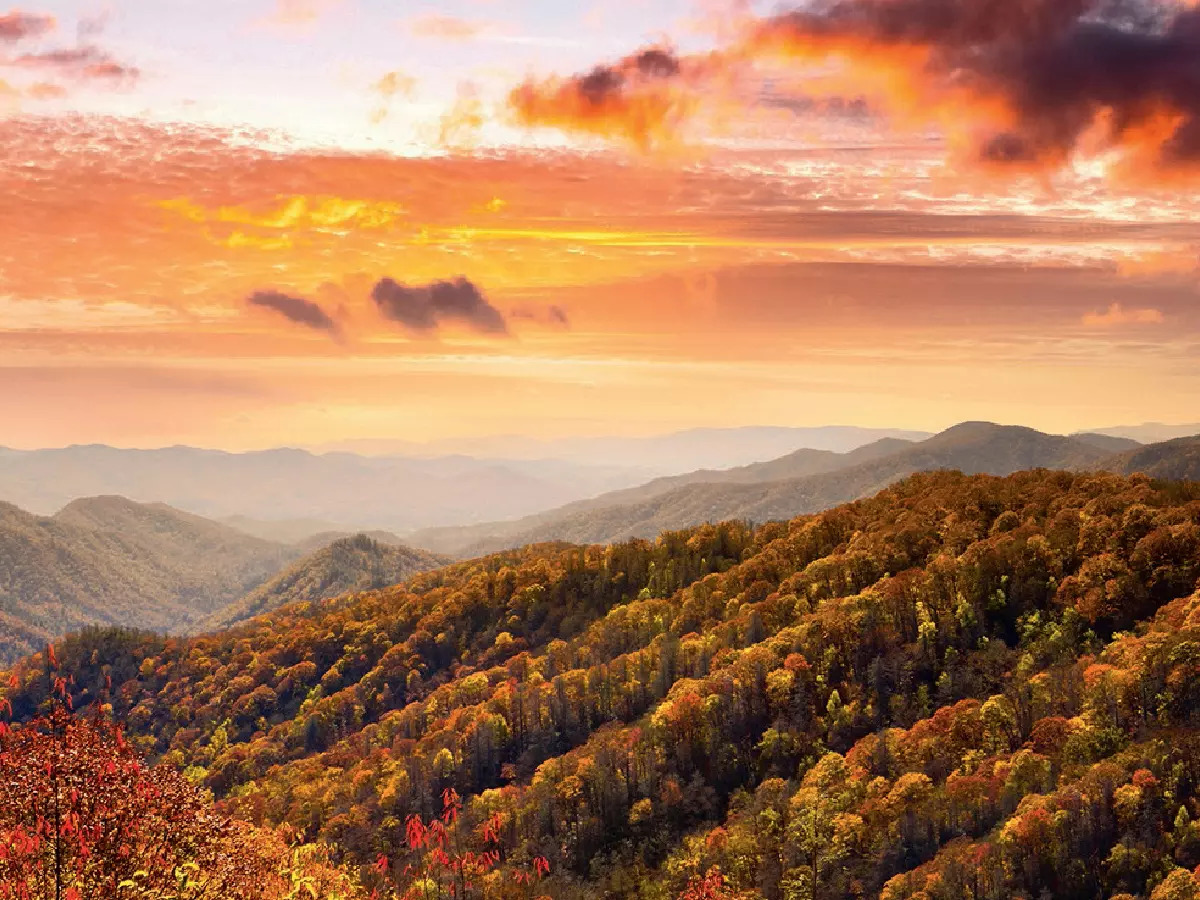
(86,61)
(17,26)
(445,28)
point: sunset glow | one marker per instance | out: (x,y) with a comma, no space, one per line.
(444,234)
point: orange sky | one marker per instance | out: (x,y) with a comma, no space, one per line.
(804,269)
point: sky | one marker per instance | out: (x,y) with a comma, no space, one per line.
(252,223)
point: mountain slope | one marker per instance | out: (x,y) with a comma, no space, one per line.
(965,686)
(553,524)
(1111,443)
(1177,459)
(352,564)
(109,560)
(972,447)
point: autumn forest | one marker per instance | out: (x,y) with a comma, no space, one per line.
(963,687)
(604,450)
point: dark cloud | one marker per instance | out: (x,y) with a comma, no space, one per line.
(423,308)
(297,310)
(1057,66)
(604,82)
(1030,80)
(17,26)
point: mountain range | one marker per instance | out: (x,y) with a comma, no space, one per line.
(335,491)
(808,481)
(680,451)
(962,687)
(109,560)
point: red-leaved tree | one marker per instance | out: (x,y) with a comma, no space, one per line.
(446,867)
(84,817)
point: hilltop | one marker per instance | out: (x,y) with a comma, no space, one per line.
(347,565)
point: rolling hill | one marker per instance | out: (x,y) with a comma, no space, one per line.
(350,564)
(803,482)
(110,560)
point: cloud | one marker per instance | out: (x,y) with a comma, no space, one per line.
(93,26)
(459,127)
(86,61)
(554,316)
(18,26)
(1030,84)
(1161,262)
(274,229)
(299,12)
(443,27)
(643,97)
(1116,315)
(45,90)
(394,84)
(297,310)
(391,85)
(423,308)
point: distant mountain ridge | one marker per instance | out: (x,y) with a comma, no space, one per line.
(347,492)
(109,560)
(757,493)
(1150,432)
(680,451)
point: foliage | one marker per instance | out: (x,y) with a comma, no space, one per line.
(964,687)
(84,817)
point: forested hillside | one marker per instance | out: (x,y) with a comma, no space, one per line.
(966,686)
(357,563)
(110,560)
(1177,459)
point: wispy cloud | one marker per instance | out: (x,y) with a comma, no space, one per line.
(297,310)
(1117,315)
(85,61)
(300,13)
(442,27)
